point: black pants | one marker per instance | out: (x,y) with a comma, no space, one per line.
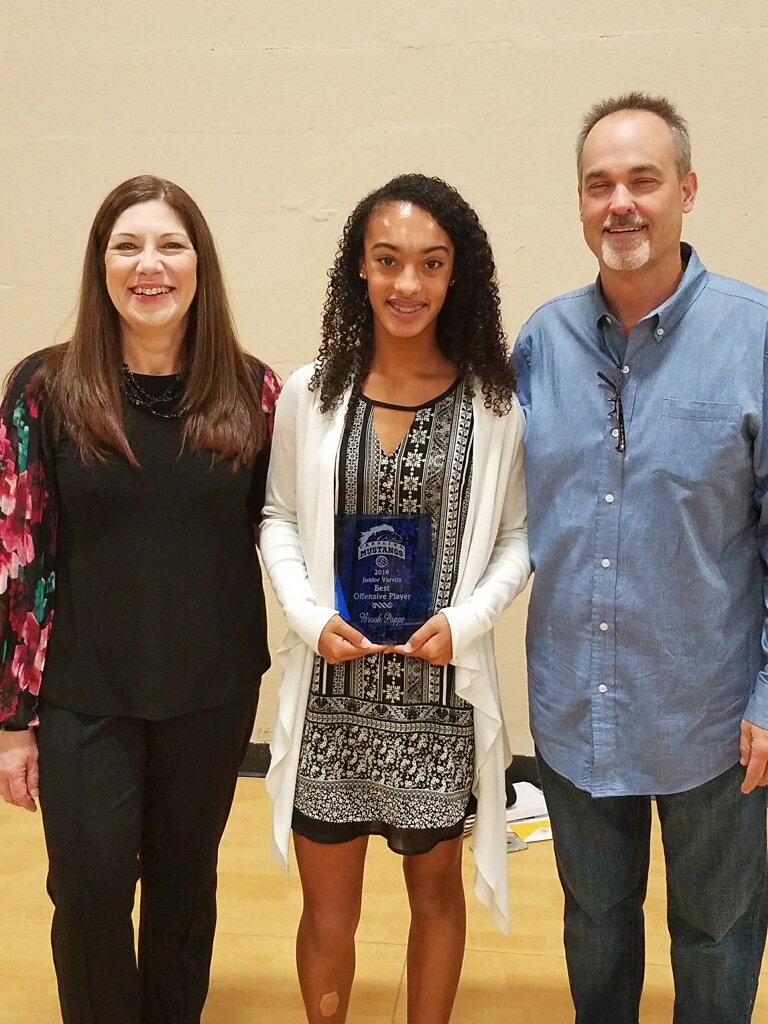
(125,799)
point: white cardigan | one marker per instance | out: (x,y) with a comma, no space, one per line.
(297,547)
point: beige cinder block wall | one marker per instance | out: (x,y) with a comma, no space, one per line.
(277,117)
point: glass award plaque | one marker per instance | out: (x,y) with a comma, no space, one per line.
(384,574)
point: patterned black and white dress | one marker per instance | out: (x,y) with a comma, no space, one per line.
(388,747)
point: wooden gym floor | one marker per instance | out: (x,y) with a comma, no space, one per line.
(519,977)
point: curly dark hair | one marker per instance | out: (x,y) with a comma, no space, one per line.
(469,330)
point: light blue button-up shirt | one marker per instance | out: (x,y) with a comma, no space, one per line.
(646,637)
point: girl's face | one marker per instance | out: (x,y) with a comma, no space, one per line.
(408,265)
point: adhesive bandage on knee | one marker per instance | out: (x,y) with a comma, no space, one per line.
(329,1004)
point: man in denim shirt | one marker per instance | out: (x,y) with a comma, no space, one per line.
(647,472)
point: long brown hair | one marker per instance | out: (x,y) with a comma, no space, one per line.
(222,383)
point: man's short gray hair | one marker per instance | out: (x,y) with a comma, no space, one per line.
(658,105)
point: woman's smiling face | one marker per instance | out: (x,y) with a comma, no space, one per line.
(151,270)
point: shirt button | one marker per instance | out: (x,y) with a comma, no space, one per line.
(604,626)
(659,332)
(615,432)
(606,563)
(609,498)
(603,688)
(625,369)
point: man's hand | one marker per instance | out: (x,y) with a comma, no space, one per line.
(432,641)
(18,768)
(753,746)
(341,642)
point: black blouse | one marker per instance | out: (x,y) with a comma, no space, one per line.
(159,600)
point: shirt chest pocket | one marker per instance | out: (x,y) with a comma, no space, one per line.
(698,442)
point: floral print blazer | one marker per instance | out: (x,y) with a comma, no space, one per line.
(28,514)
(27,544)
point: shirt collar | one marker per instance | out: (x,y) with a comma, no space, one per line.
(665,317)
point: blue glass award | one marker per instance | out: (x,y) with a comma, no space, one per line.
(384,574)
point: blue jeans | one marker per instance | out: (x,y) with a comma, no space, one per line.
(715,852)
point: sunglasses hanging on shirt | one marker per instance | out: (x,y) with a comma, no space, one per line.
(617,411)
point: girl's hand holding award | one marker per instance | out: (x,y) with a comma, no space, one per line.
(341,642)
(432,642)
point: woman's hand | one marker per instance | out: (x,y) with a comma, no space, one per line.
(18,768)
(432,641)
(341,642)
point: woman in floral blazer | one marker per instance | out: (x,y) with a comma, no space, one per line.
(133,473)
